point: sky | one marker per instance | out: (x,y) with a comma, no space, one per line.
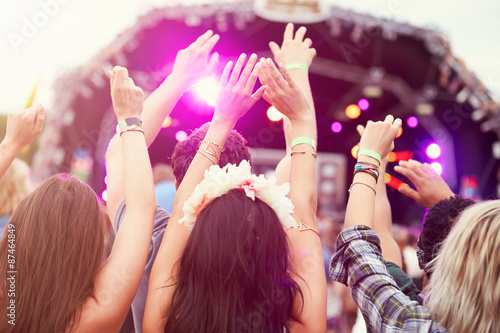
(39,39)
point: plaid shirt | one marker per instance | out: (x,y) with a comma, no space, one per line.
(384,306)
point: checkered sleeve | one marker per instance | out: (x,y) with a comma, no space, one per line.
(384,307)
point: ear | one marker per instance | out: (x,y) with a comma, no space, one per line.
(176,184)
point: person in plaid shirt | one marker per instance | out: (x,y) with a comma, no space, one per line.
(465,289)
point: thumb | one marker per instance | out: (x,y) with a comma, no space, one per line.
(409,192)
(40,116)
(274,48)
(258,94)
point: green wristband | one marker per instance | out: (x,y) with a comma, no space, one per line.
(296,65)
(370,153)
(304,139)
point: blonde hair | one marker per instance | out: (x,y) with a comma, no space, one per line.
(14,186)
(464,291)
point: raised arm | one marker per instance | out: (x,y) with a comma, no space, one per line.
(23,126)
(118,279)
(382,224)
(430,187)
(233,100)
(190,66)
(306,257)
(294,50)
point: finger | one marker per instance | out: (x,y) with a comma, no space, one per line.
(288,77)
(201,40)
(121,74)
(389,119)
(210,43)
(274,48)
(408,173)
(212,64)
(250,82)
(415,166)
(258,94)
(237,69)
(225,74)
(249,69)
(361,129)
(409,192)
(301,32)
(308,42)
(288,35)
(275,75)
(313,51)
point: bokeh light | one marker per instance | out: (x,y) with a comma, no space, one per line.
(273,114)
(363,104)
(207,90)
(400,132)
(167,122)
(181,136)
(336,127)
(433,150)
(104,195)
(352,111)
(412,122)
(354,151)
(437,167)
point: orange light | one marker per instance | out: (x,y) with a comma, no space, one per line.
(394,182)
(400,132)
(167,122)
(400,156)
(352,111)
(354,151)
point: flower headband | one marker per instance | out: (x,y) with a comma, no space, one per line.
(218,181)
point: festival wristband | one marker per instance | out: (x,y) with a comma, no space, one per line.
(304,139)
(129,121)
(296,65)
(370,153)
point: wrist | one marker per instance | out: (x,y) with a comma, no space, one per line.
(10,148)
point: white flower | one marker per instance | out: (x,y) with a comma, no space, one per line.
(218,181)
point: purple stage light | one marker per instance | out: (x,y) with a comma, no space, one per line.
(412,121)
(207,90)
(433,150)
(363,104)
(336,127)
(181,136)
(437,167)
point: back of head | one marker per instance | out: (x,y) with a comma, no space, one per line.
(437,225)
(234,274)
(14,186)
(58,232)
(465,286)
(234,152)
(162,172)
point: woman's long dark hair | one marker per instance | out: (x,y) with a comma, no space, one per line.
(233,273)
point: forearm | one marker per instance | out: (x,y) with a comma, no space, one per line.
(8,153)
(361,204)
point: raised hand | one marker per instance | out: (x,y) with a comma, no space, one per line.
(127,97)
(431,187)
(234,97)
(294,49)
(379,136)
(23,126)
(286,96)
(194,62)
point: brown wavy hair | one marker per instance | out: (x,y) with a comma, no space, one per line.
(59,236)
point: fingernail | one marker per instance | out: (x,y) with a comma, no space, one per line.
(253,56)
(268,61)
(243,55)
